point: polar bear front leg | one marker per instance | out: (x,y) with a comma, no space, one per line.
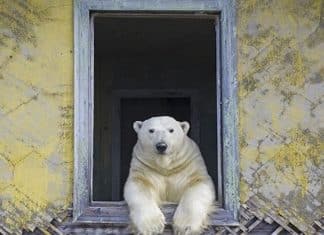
(192,212)
(145,213)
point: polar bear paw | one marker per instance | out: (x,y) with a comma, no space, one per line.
(148,221)
(186,229)
(185,224)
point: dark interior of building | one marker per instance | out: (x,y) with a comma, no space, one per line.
(149,67)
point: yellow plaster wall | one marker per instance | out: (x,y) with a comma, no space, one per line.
(36,77)
(280,73)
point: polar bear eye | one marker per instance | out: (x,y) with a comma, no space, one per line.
(151,130)
(171,130)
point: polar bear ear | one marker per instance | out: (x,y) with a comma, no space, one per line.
(137,126)
(185,127)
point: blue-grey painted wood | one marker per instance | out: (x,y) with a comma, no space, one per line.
(219,112)
(119,215)
(229,107)
(82,109)
(83,89)
(154,5)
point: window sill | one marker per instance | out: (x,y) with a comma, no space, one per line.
(117,214)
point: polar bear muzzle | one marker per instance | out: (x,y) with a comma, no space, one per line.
(161,147)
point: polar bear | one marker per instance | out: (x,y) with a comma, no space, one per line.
(167,166)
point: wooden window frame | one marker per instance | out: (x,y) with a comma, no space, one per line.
(85,210)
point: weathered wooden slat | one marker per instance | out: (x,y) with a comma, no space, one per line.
(277,231)
(118,214)
(252,226)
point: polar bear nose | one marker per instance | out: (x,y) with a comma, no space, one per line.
(161,147)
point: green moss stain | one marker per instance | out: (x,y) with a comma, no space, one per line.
(249,84)
(296,76)
(302,146)
(317,37)
(18,18)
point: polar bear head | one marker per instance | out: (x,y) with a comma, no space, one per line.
(161,135)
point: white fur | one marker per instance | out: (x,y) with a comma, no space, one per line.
(179,176)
